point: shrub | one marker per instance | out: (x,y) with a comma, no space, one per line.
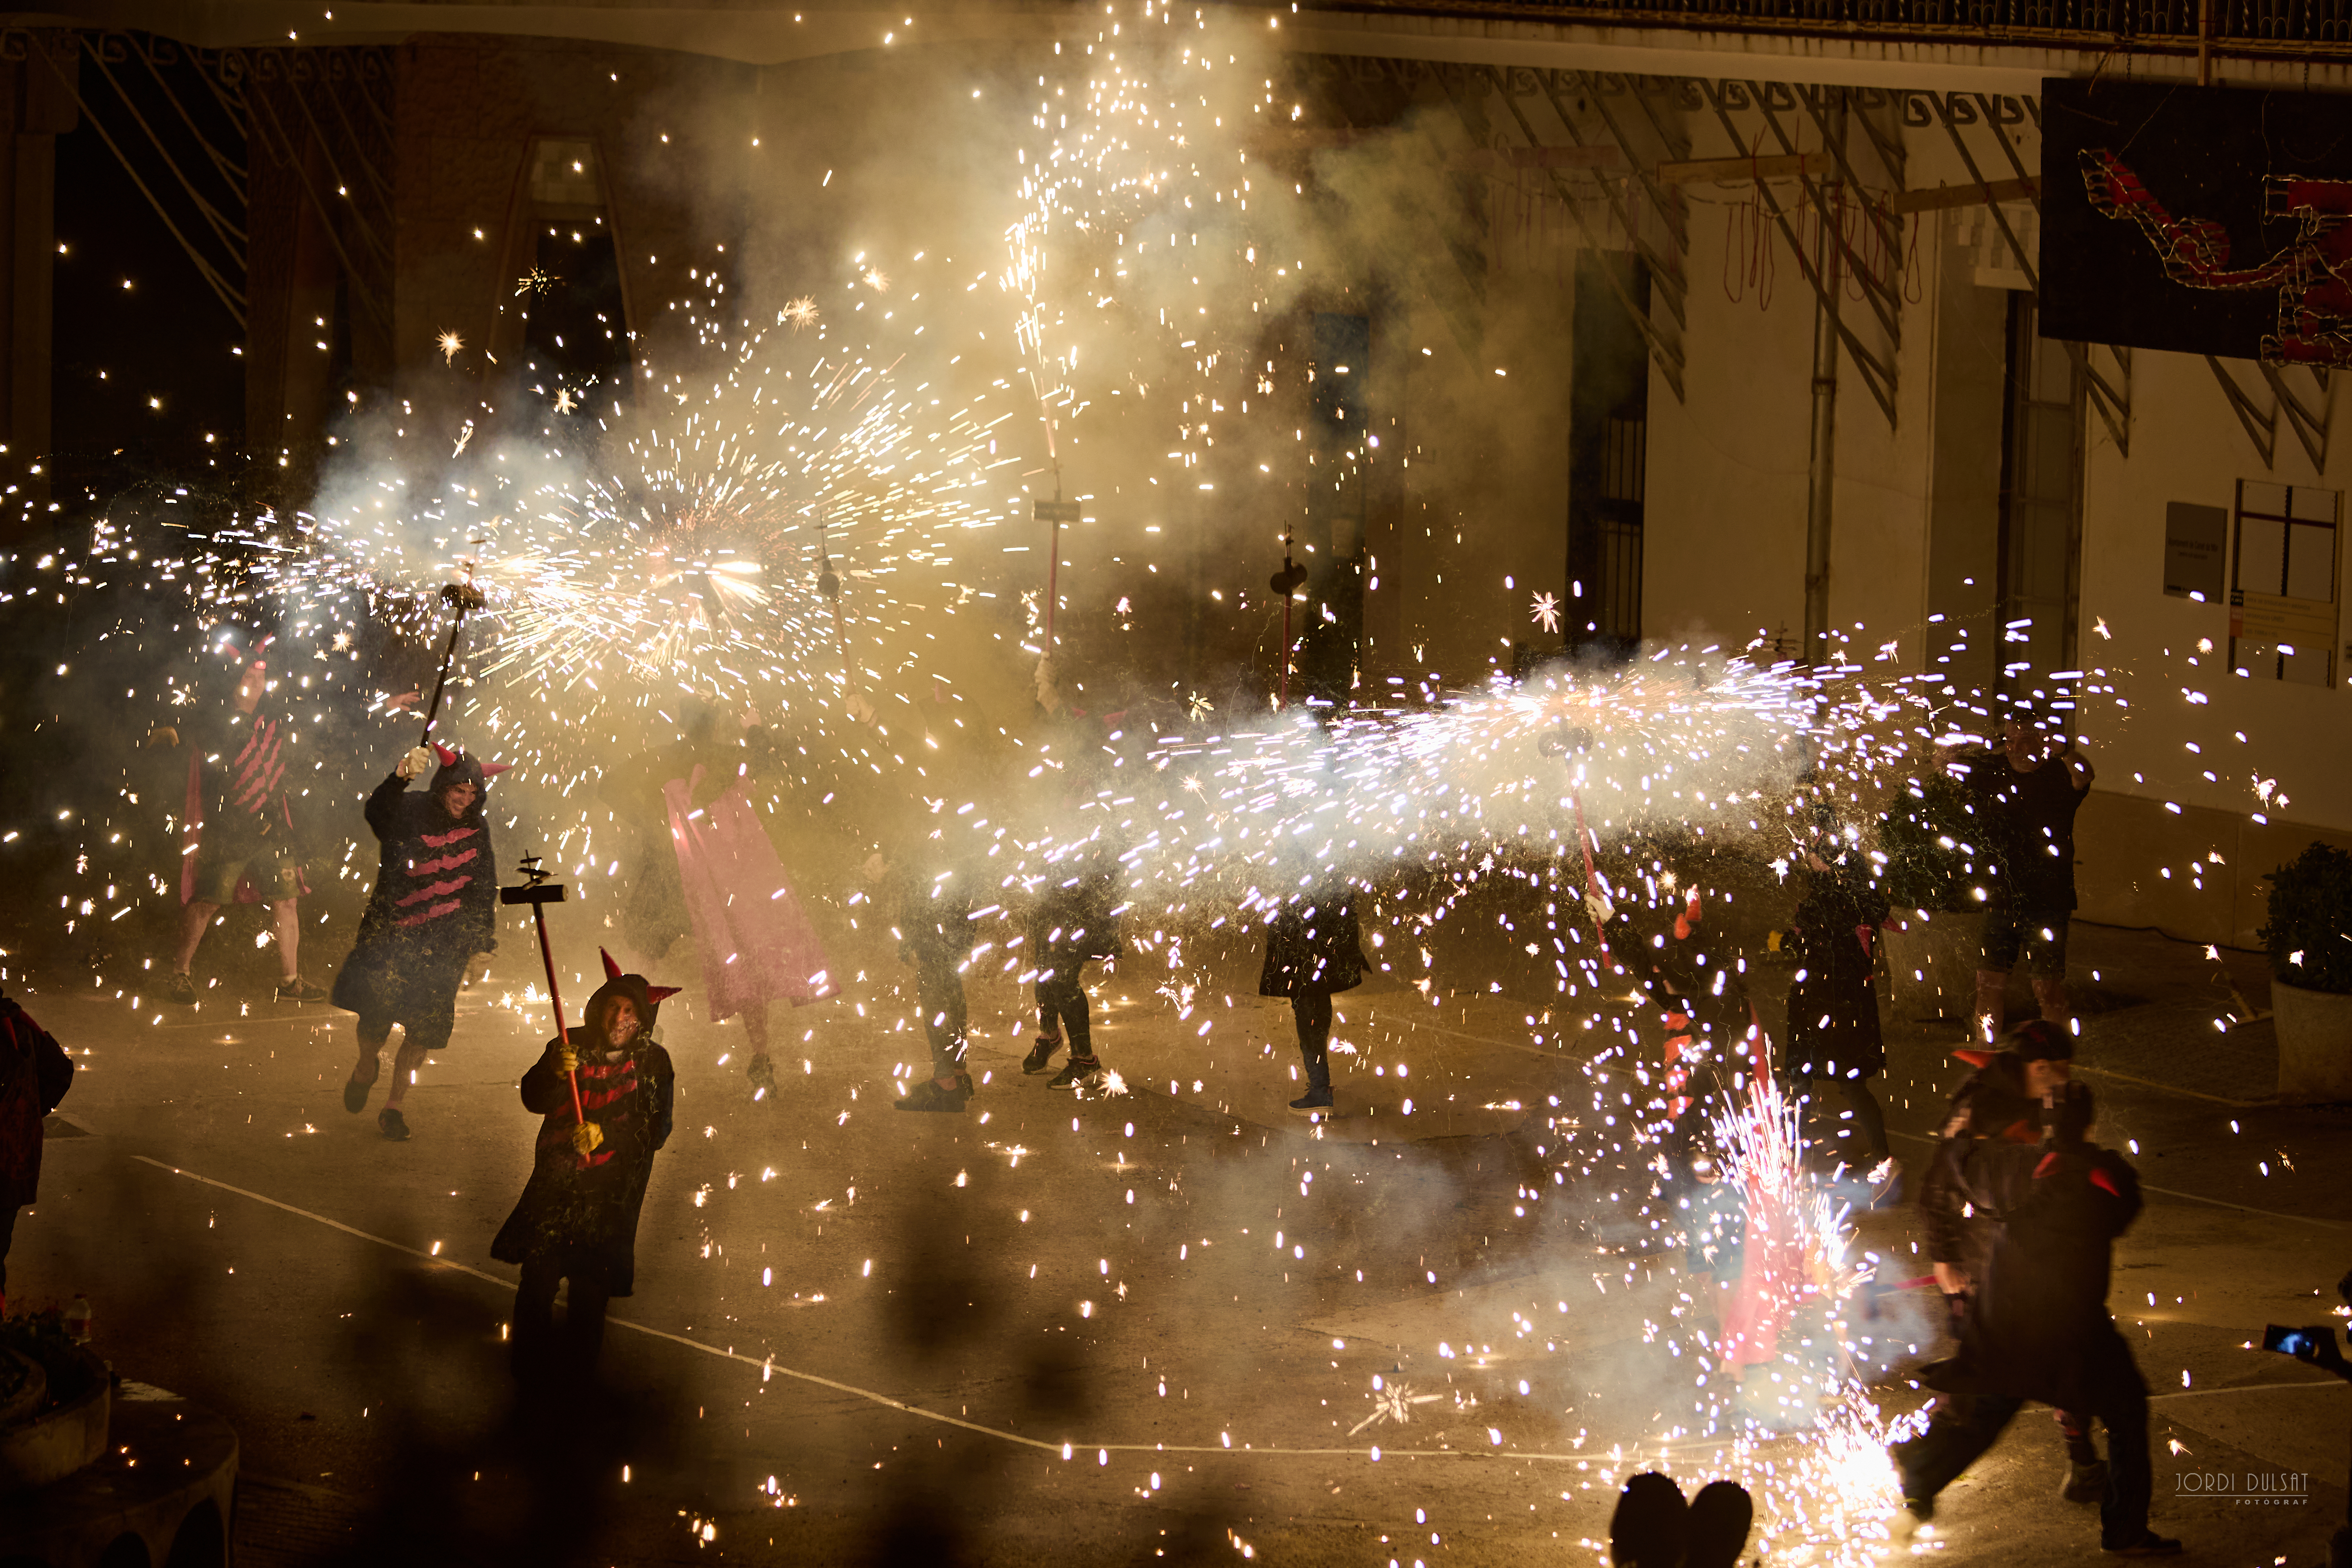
(2311,914)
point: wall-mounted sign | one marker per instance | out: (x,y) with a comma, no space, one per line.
(2196,541)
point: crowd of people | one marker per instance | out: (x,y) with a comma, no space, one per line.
(2021,1205)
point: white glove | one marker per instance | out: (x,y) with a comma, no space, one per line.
(1596,904)
(419,760)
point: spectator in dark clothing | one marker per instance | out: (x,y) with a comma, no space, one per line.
(35,1073)
(577,1218)
(2026,794)
(1075,922)
(2037,1325)
(1314,947)
(1833,1003)
(932,915)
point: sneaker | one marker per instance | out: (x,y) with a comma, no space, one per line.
(181,990)
(929,1096)
(298,989)
(355,1094)
(762,1075)
(2085,1484)
(1041,1057)
(2149,1544)
(391,1124)
(1314,1099)
(1078,1069)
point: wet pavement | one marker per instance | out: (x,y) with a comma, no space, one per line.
(865,1336)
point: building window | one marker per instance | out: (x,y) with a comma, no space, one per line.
(1608,455)
(2282,583)
(2041,503)
(575,329)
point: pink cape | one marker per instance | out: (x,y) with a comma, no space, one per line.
(757,943)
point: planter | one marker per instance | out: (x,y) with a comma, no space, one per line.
(57,1443)
(2314,1044)
(1931,964)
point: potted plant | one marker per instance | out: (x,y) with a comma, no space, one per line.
(2311,974)
(1935,866)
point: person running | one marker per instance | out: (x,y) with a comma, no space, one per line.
(1834,1004)
(2038,1325)
(607,1103)
(2027,806)
(238,838)
(432,919)
(35,1073)
(1998,1101)
(1313,948)
(934,919)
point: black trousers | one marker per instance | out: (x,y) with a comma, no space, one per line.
(1869,1118)
(1963,1427)
(1311,1010)
(938,992)
(1062,1004)
(540,1347)
(7,1240)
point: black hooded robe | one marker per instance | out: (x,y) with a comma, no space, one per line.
(434,908)
(581,1212)
(1834,1005)
(1314,947)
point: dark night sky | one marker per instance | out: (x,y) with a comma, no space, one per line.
(166,339)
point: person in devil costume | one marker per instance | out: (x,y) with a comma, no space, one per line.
(606,1100)
(238,840)
(433,917)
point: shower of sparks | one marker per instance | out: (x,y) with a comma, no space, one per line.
(783,534)
(1392,1400)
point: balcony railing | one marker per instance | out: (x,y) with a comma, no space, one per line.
(2263,25)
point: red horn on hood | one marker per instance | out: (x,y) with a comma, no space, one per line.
(659,994)
(612,970)
(492,769)
(448,757)
(1976,1058)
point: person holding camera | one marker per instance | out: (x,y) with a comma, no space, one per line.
(2317,1345)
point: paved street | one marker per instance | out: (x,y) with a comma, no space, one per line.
(865,1336)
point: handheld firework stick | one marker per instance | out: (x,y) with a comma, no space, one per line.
(462,596)
(1055,512)
(1286,583)
(539,892)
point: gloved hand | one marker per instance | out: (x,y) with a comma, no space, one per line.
(478,969)
(567,1061)
(1596,904)
(418,760)
(586,1137)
